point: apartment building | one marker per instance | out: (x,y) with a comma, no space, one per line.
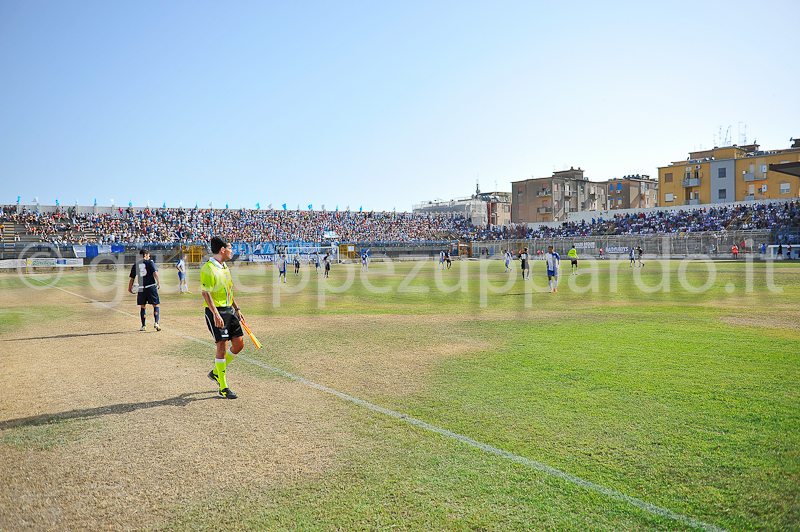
(550,199)
(632,192)
(730,173)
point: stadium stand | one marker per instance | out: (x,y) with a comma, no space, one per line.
(166,226)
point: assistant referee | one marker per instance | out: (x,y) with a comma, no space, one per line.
(222,312)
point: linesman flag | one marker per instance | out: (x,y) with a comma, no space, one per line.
(251,335)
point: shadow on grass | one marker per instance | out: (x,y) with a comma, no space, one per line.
(76,335)
(88,413)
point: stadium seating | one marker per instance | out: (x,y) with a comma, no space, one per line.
(166,226)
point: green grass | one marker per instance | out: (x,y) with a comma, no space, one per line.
(689,401)
(45,436)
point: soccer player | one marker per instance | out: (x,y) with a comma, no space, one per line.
(364,267)
(147,274)
(282,267)
(223,315)
(632,257)
(296,264)
(441,260)
(526,266)
(327,261)
(508,261)
(181,267)
(640,252)
(553,262)
(447,259)
(573,257)
(316,261)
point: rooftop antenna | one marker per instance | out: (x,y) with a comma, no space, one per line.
(728,138)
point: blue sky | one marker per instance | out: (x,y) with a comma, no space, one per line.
(375,104)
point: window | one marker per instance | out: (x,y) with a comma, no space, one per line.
(668,178)
(785,188)
(752,189)
(669,197)
(619,187)
(611,187)
(505,208)
(619,201)
(762,168)
(722,172)
(654,196)
(763,189)
(722,193)
(697,175)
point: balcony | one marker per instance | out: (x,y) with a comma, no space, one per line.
(751,197)
(545,192)
(690,182)
(544,210)
(691,202)
(749,176)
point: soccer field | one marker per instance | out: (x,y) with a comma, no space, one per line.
(406,398)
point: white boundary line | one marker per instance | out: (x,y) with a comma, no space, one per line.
(552,471)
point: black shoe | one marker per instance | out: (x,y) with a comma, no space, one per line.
(212,376)
(226,393)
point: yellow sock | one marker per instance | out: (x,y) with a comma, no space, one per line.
(229,356)
(221,373)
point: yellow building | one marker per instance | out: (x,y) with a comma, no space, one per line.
(728,174)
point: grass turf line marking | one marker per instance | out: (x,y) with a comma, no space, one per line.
(552,471)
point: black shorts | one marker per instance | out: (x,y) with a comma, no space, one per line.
(574,262)
(147,296)
(232,328)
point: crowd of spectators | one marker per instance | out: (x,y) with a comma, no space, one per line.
(199,225)
(715,219)
(56,228)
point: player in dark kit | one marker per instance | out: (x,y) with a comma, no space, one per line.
(148,284)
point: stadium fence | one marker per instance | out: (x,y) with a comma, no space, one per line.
(673,245)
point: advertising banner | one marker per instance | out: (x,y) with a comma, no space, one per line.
(12,263)
(53,263)
(618,249)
